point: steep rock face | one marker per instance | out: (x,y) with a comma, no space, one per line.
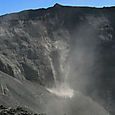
(10,68)
(38,45)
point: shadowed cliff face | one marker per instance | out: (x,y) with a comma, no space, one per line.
(58,47)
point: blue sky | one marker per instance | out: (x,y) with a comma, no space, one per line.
(10,6)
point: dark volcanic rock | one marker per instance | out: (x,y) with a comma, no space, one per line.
(15,111)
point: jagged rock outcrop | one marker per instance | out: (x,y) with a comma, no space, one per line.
(16,111)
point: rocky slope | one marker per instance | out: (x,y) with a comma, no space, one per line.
(41,47)
(15,111)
